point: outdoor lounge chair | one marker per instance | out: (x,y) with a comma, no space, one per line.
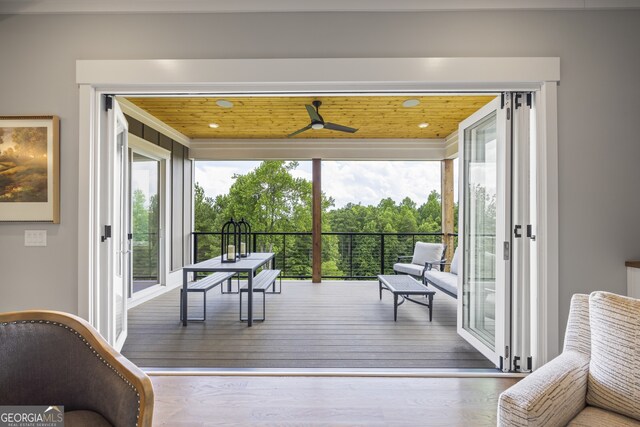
(423,253)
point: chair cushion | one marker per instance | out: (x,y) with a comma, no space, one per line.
(84,419)
(614,377)
(596,417)
(454,262)
(442,280)
(412,269)
(427,252)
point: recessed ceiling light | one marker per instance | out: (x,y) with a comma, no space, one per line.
(423,125)
(214,125)
(411,103)
(224,103)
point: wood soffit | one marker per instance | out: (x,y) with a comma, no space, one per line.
(375,117)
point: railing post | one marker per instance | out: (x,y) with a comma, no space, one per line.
(255,242)
(284,255)
(195,248)
(351,255)
(381,253)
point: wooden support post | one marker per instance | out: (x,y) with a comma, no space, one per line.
(316,227)
(447,206)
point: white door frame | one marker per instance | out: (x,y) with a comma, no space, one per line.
(326,76)
(152,151)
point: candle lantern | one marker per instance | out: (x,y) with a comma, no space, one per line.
(230,242)
(244,233)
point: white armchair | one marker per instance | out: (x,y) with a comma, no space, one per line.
(423,253)
(585,386)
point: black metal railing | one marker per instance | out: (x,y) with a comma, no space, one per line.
(345,255)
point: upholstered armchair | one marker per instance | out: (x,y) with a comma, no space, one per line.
(52,358)
(595,381)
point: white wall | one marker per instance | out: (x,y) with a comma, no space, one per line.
(599,102)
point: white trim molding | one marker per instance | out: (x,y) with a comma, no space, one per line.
(315,76)
(310,75)
(327,149)
(240,6)
(132,110)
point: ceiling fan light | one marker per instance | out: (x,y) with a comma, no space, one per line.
(411,103)
(317,126)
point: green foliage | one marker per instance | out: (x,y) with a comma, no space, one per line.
(274,201)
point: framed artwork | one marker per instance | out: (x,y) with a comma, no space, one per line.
(30,169)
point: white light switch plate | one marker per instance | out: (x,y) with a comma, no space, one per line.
(35,237)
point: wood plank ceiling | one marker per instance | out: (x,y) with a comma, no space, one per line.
(375,117)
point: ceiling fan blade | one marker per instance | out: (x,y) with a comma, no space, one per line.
(299,131)
(340,128)
(315,117)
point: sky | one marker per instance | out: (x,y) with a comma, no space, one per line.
(365,182)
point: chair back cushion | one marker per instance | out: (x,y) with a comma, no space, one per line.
(455,262)
(43,363)
(427,252)
(614,377)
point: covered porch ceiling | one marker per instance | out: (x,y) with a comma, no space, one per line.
(377,117)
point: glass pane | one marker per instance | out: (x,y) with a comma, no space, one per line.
(145,221)
(479,240)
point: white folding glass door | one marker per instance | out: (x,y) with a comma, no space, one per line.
(115,227)
(485,152)
(497,230)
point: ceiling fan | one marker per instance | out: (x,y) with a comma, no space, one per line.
(317,122)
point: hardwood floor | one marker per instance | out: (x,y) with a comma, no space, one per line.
(199,401)
(328,325)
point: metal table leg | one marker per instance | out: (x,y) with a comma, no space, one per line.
(250,299)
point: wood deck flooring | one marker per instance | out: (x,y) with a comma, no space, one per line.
(199,401)
(328,325)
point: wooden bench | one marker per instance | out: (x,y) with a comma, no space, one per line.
(261,283)
(203,285)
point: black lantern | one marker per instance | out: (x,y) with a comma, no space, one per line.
(244,232)
(230,242)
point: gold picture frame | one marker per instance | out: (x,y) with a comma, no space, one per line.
(30,169)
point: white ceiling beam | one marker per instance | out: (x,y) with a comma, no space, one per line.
(305,149)
(239,6)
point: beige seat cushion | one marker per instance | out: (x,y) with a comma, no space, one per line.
(596,417)
(614,377)
(84,419)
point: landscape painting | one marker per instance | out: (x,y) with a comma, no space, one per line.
(28,168)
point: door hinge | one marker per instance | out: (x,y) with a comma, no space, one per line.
(107,233)
(516,364)
(530,232)
(529,363)
(516,231)
(507,252)
(516,101)
(108,99)
(502,100)
(529,99)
